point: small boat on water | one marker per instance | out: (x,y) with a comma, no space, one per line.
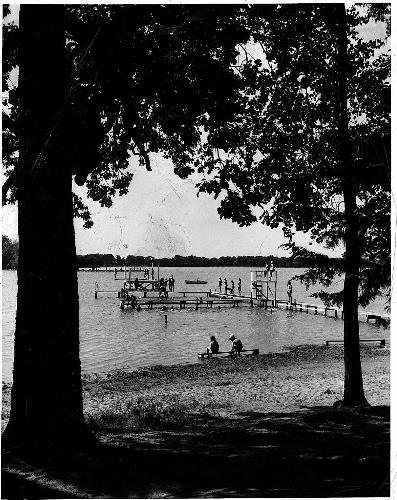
(195,282)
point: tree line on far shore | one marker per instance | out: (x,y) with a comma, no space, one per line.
(10,260)
(109,260)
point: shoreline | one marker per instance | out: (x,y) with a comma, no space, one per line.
(302,376)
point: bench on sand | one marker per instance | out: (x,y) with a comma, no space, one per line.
(248,352)
(382,342)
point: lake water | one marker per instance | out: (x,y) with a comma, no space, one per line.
(111,338)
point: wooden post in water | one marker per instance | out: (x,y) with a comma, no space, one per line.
(251,301)
(166,319)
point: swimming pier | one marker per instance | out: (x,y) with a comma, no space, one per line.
(150,293)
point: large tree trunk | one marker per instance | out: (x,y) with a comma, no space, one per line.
(46,399)
(354,392)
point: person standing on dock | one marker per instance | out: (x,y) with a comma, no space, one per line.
(239,286)
(232,287)
(225,286)
(266,270)
(271,270)
(136,283)
(220,285)
(289,291)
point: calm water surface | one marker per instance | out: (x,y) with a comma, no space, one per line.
(111,338)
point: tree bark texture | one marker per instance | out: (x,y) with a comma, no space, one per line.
(353,391)
(46,398)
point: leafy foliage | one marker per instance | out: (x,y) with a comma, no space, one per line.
(261,129)
(282,154)
(141,79)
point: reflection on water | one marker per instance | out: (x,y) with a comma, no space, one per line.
(112,338)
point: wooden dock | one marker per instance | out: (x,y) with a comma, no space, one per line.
(208,299)
(182,303)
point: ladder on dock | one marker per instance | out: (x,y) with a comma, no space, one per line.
(263,284)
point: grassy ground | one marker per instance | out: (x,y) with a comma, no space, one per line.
(251,427)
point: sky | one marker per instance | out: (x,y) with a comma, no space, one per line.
(162,216)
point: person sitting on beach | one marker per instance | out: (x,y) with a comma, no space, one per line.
(214,346)
(237,345)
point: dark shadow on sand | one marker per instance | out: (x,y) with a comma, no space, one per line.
(314,452)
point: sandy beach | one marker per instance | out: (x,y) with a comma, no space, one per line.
(260,426)
(302,377)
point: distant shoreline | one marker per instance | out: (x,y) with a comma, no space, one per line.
(254,261)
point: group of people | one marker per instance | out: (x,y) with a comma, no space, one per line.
(229,289)
(164,284)
(146,274)
(167,283)
(269,270)
(237,346)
